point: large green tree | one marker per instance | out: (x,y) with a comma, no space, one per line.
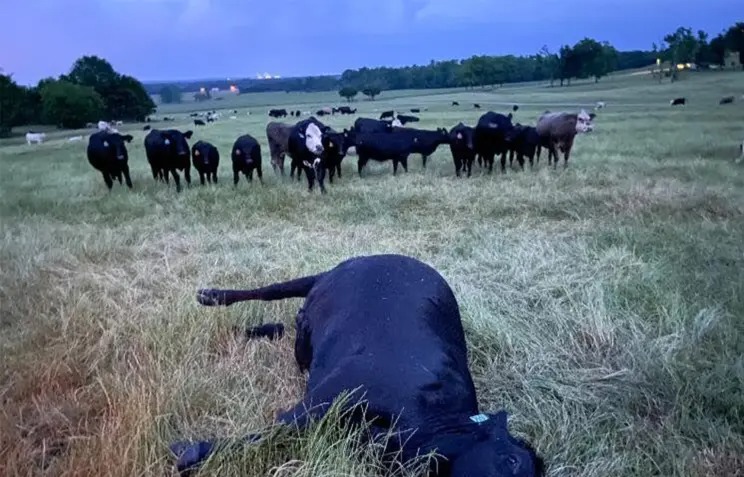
(348,93)
(735,40)
(12,99)
(69,105)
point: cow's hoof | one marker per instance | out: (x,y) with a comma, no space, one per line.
(210,297)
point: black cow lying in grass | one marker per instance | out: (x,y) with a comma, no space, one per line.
(388,326)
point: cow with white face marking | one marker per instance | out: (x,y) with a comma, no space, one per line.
(305,148)
(557,132)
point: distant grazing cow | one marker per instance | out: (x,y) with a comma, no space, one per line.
(387,330)
(424,142)
(37,138)
(206,159)
(305,148)
(415,110)
(321,112)
(592,116)
(278,113)
(557,132)
(369,125)
(741,152)
(146,127)
(118,123)
(490,138)
(387,114)
(199,122)
(233,117)
(599,105)
(278,138)
(404,119)
(522,141)
(346,110)
(167,152)
(677,101)
(455,103)
(194,115)
(477,106)
(246,157)
(298,113)
(726,100)
(107,153)
(515,108)
(462,147)
(235,111)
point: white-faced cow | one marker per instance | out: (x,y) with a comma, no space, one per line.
(305,147)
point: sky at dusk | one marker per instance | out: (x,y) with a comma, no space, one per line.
(195,39)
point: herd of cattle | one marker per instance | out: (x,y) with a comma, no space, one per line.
(317,149)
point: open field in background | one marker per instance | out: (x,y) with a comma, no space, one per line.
(603,303)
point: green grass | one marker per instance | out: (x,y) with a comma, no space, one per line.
(603,303)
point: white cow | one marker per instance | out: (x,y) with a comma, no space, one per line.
(38,138)
(75,138)
(600,105)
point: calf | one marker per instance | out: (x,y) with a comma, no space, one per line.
(382,146)
(305,147)
(335,147)
(424,142)
(557,132)
(167,152)
(477,106)
(403,118)
(107,153)
(678,101)
(37,138)
(490,138)
(206,159)
(246,157)
(278,138)
(726,100)
(599,105)
(462,147)
(387,330)
(522,140)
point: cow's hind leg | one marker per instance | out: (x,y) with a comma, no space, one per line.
(127,178)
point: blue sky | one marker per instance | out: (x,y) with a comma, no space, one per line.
(191,39)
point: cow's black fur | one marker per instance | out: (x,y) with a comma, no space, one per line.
(424,142)
(383,146)
(246,157)
(490,138)
(167,152)
(462,148)
(369,125)
(206,160)
(522,141)
(387,330)
(107,153)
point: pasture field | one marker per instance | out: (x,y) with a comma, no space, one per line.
(603,303)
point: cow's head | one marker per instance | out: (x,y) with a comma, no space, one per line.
(313,137)
(116,144)
(349,138)
(200,151)
(463,135)
(242,152)
(495,452)
(175,140)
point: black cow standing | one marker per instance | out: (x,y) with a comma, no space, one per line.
(387,330)
(246,157)
(167,152)
(384,146)
(490,138)
(206,159)
(522,140)
(462,148)
(369,125)
(424,142)
(335,147)
(107,153)
(305,147)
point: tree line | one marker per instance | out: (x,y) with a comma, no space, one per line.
(588,58)
(91,91)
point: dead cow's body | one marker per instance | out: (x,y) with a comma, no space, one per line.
(557,132)
(390,325)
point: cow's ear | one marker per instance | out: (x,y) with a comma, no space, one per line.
(188,134)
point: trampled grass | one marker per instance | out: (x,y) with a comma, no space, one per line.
(603,303)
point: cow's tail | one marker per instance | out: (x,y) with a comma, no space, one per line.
(297,288)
